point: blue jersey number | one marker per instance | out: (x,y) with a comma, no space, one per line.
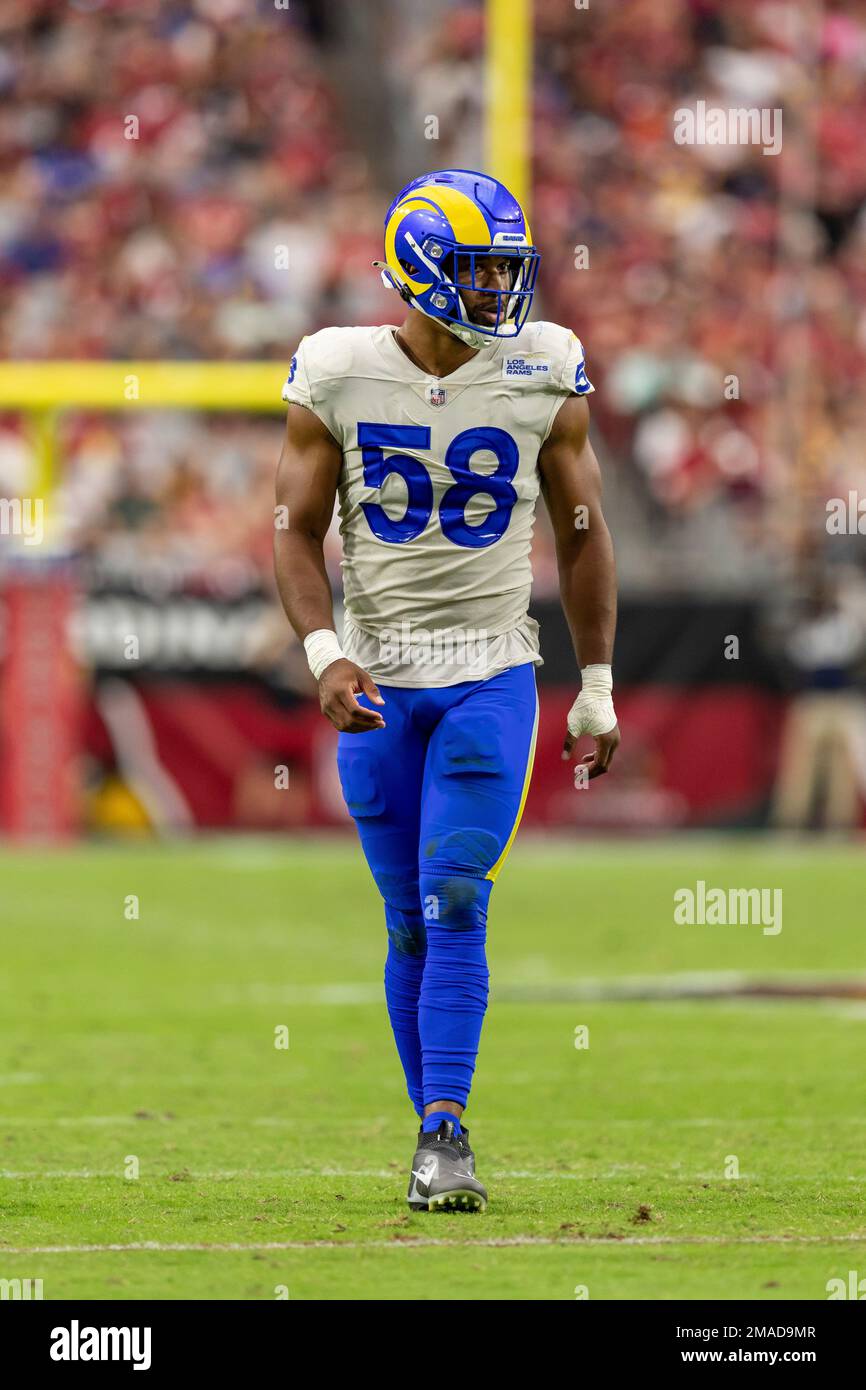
(373,440)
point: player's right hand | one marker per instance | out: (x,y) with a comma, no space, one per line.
(339,684)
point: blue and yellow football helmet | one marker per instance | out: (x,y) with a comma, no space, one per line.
(457,213)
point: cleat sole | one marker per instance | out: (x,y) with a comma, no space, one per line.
(457,1201)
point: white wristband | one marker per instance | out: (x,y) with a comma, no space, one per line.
(322,649)
(596,682)
(592,711)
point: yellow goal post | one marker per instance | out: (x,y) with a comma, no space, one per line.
(41,390)
(508,96)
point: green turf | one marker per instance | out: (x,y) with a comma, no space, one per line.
(150,1042)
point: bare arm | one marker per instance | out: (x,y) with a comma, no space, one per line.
(306,488)
(571,483)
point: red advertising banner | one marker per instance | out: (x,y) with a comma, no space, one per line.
(232,755)
(39,708)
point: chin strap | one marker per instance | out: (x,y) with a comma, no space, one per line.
(467,335)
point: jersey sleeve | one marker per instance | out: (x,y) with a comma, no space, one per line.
(311,379)
(574,378)
(297,389)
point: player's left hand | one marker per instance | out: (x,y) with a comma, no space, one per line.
(599,761)
(598,718)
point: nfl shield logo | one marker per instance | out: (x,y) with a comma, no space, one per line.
(436,395)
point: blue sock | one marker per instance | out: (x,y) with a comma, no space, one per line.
(403,975)
(454,988)
(431,1123)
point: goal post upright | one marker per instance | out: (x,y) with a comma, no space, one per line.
(508,96)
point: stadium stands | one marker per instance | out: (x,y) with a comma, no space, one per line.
(142,214)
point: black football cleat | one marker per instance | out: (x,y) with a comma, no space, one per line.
(443,1173)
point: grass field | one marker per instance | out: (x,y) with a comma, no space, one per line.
(148,1046)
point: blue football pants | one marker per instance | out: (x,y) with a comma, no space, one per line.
(437,796)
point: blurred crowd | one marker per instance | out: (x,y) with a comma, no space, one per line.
(157,157)
(720,292)
(177,180)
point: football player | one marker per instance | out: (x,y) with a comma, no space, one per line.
(438,435)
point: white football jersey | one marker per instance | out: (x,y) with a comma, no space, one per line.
(437,493)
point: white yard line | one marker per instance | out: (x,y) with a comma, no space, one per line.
(327,1174)
(71,1120)
(424,1242)
(289,1122)
(680,987)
